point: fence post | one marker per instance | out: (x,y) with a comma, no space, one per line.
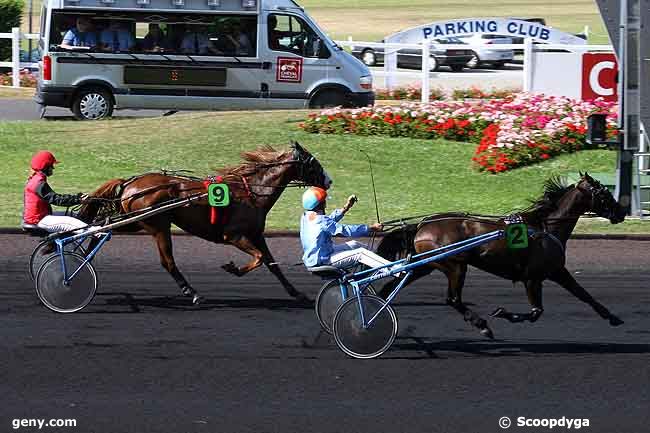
(15,56)
(390,65)
(528,64)
(426,84)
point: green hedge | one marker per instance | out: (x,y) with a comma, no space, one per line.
(10,14)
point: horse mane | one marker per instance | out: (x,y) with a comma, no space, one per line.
(252,160)
(554,189)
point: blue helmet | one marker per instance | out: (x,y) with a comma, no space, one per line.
(313,197)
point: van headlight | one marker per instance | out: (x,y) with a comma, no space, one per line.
(366,82)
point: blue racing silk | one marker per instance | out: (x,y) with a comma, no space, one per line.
(316,233)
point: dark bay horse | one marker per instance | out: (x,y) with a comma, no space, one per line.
(255,186)
(553,217)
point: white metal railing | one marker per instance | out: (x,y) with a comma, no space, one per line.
(15,64)
(528,64)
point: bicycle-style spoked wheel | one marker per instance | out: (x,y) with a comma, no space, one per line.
(47,249)
(329,300)
(59,295)
(364,342)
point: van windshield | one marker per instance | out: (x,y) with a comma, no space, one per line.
(159,33)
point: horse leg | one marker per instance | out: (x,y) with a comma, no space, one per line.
(456,277)
(249,247)
(564,278)
(270,263)
(163,239)
(534,292)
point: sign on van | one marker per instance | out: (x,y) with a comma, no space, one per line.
(289,70)
(499,26)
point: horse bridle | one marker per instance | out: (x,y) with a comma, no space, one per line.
(597,198)
(305,162)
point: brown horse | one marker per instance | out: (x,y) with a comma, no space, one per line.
(552,217)
(255,187)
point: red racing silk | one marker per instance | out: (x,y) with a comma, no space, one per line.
(35,208)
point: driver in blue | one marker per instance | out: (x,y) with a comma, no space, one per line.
(317,229)
(81,36)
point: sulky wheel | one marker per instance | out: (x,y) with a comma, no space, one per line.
(60,296)
(368,342)
(330,298)
(47,249)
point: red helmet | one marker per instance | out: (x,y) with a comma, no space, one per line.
(43,160)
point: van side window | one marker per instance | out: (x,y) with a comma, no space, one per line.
(291,34)
(144,32)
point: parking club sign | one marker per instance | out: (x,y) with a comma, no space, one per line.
(289,70)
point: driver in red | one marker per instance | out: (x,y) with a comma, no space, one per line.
(39,198)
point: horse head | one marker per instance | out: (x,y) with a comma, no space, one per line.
(602,203)
(310,170)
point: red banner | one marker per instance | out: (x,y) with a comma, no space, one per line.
(599,76)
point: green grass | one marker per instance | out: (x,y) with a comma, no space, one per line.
(374,19)
(20,93)
(411,176)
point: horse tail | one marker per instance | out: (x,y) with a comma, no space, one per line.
(103,202)
(398,243)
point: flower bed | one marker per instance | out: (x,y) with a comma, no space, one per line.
(27,79)
(409,93)
(520,130)
(413,92)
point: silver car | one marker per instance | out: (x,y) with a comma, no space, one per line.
(484,52)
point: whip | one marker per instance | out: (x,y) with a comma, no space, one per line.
(372,180)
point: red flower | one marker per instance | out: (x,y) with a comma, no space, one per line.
(545,156)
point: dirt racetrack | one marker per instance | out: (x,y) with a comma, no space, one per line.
(140,359)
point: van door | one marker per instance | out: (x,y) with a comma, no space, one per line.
(298,58)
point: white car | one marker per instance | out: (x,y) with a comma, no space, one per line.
(484,53)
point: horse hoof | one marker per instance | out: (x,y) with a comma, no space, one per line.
(232,269)
(499,312)
(197,299)
(487,332)
(615,321)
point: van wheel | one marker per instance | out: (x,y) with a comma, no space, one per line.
(92,104)
(328,98)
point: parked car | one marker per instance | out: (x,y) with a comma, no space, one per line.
(456,59)
(483,52)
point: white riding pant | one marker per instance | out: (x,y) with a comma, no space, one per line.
(60,223)
(351,253)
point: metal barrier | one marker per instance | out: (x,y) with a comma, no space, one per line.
(15,64)
(642,172)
